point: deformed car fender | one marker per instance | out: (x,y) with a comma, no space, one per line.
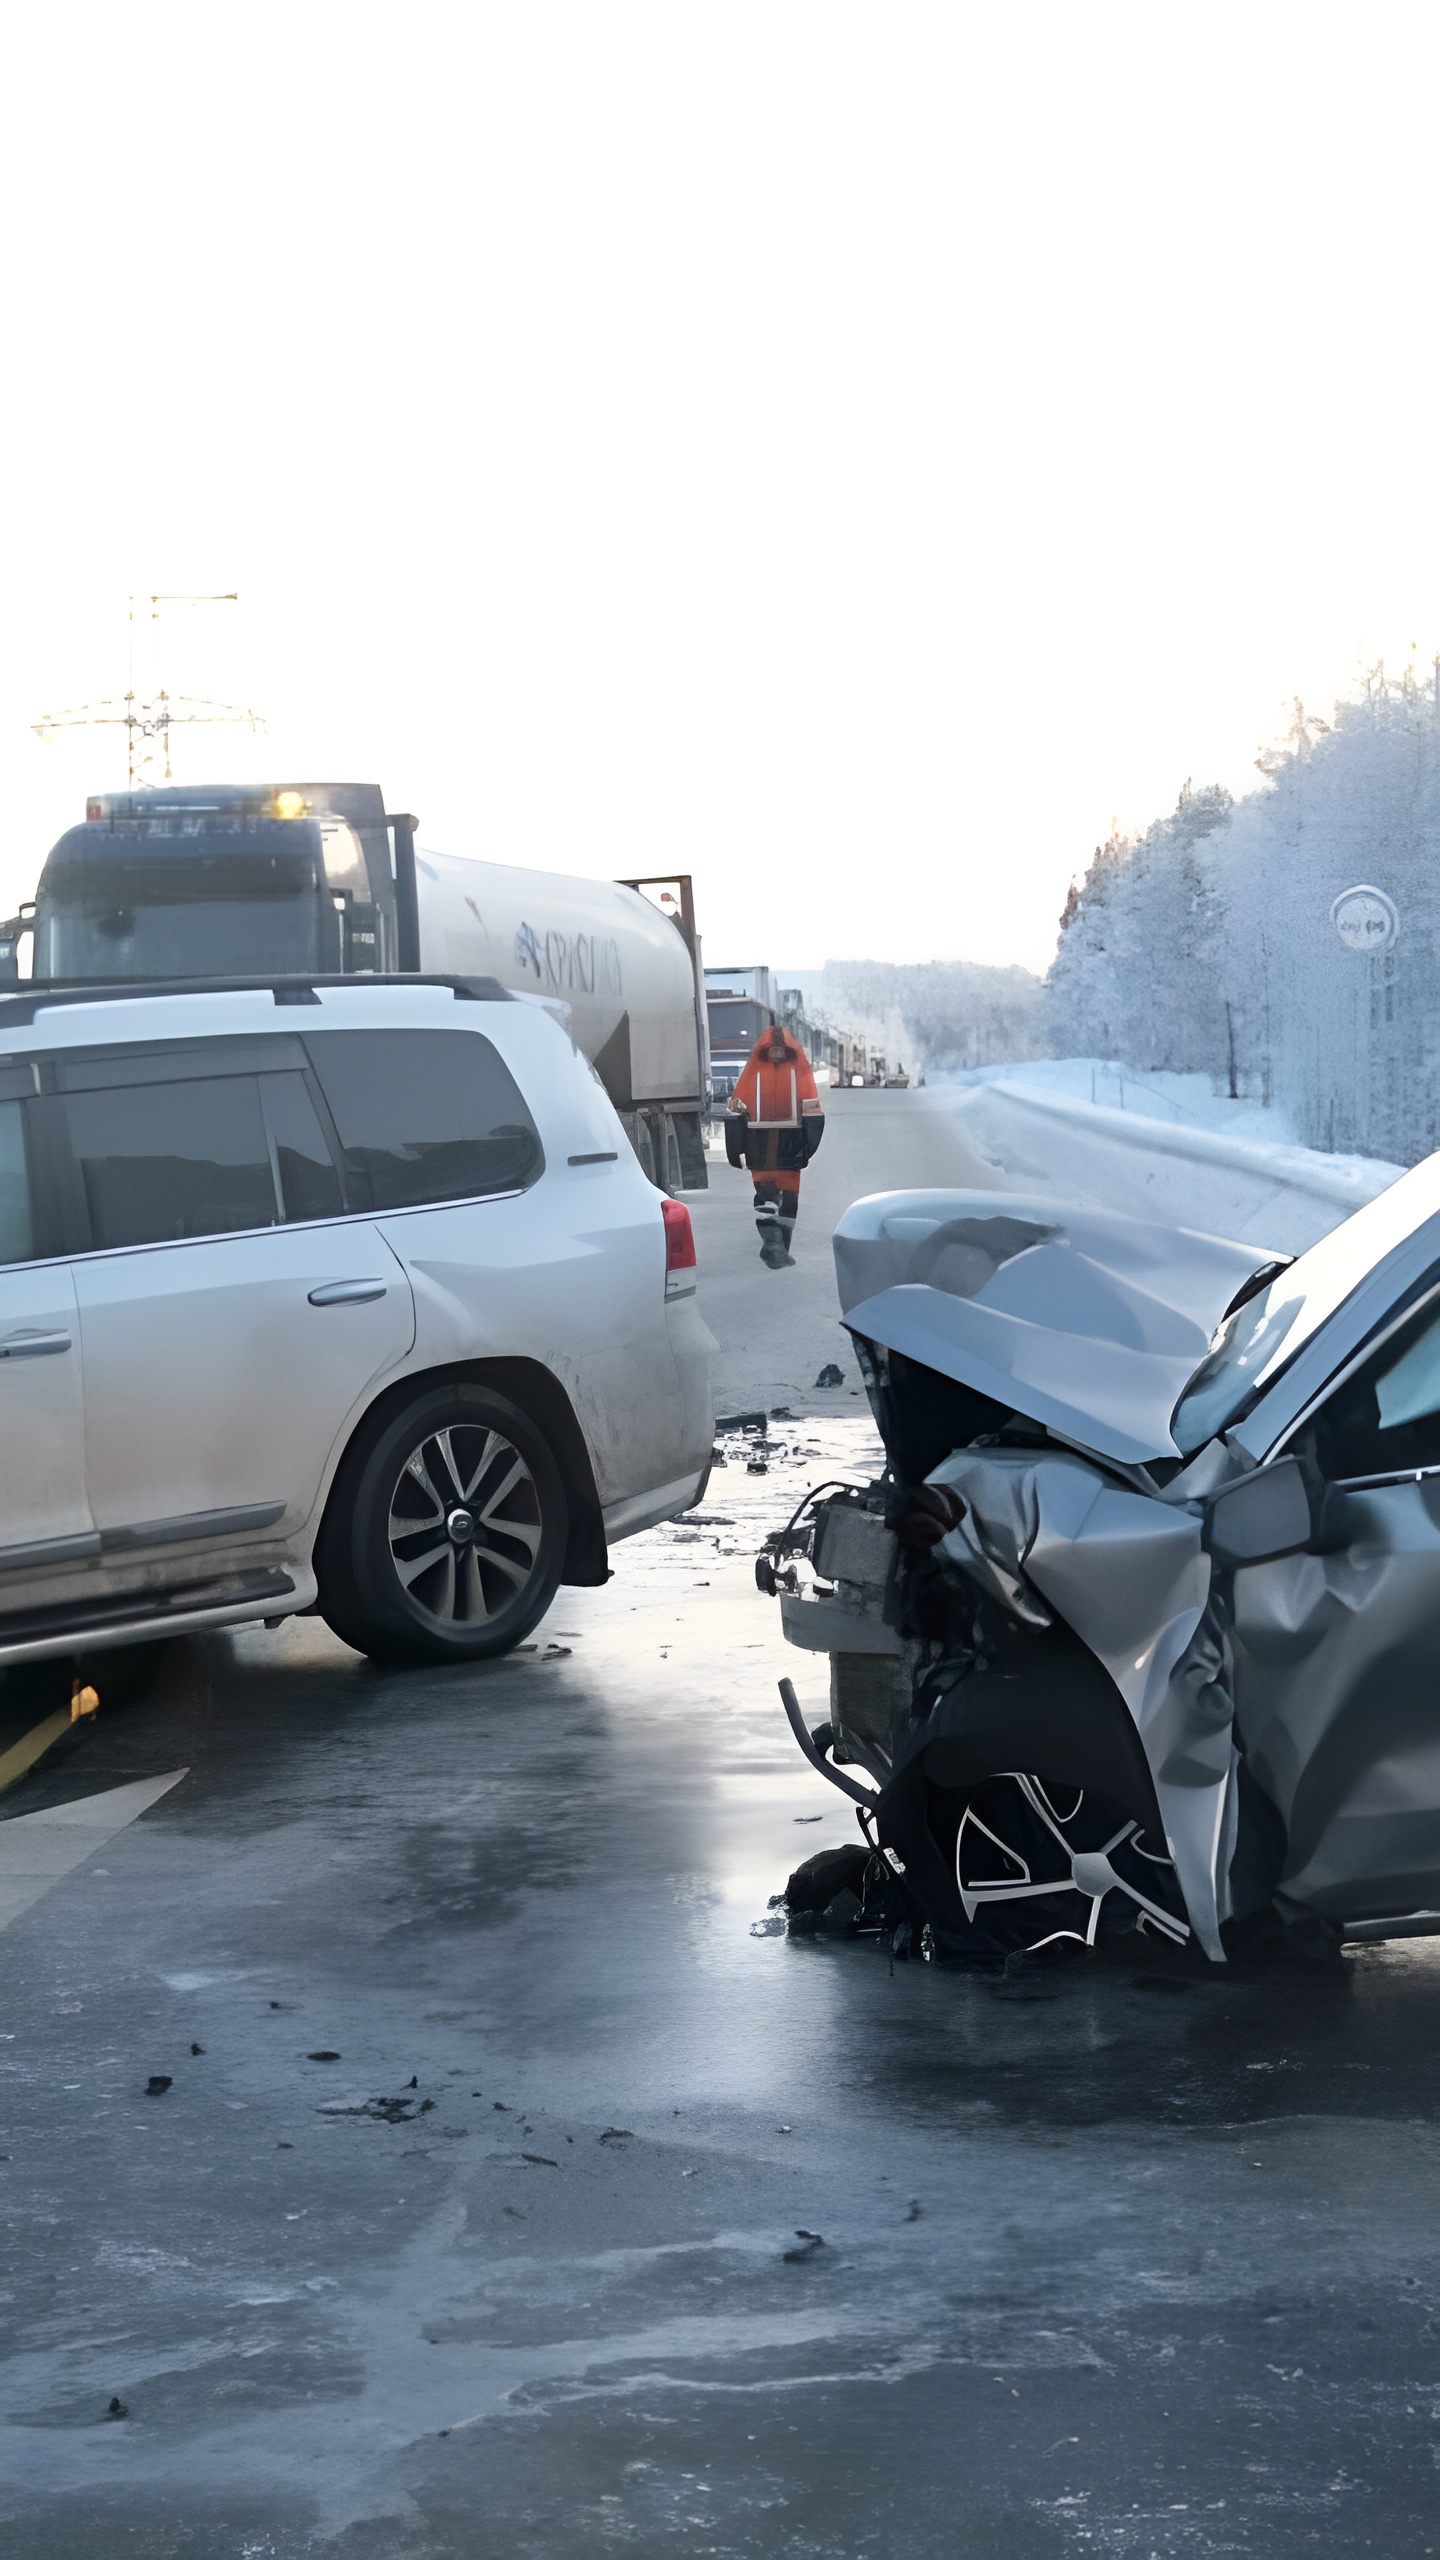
(1130,1577)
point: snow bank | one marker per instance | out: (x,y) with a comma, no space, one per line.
(1163,1146)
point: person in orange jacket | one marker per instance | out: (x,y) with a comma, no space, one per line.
(773,1124)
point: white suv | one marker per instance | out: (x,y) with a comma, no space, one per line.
(326,1294)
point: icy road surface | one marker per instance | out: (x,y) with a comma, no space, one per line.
(465,2231)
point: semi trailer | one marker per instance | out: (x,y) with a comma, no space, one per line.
(196,881)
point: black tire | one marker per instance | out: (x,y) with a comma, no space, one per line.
(468,1577)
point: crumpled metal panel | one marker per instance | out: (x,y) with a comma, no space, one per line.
(1085,1321)
(1118,1401)
(959,1241)
(1336,1657)
(1130,1576)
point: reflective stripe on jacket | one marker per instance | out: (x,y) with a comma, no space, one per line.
(777,1097)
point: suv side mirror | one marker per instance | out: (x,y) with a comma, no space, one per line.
(1266,1514)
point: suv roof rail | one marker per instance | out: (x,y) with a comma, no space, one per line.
(22,1006)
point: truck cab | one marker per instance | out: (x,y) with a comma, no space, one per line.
(186,883)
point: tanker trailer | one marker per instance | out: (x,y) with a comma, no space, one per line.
(204,880)
(627,971)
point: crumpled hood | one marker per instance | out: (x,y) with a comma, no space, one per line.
(1084,1321)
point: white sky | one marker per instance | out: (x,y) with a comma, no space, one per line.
(851,453)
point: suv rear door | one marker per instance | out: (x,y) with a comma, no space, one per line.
(232,1318)
(439,1139)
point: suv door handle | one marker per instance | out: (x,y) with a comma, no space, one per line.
(32,1346)
(347,1293)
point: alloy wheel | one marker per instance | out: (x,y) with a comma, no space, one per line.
(464,1526)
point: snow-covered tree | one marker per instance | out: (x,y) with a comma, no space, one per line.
(1348,1043)
(1208,942)
(937,1013)
(1134,976)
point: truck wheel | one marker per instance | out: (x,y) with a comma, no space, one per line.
(445,1533)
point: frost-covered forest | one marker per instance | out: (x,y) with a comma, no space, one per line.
(939,1013)
(1207,942)
(1206,945)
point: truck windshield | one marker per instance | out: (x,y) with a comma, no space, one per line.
(182,911)
(1254,1344)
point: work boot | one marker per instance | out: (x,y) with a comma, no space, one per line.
(787,1232)
(767,1228)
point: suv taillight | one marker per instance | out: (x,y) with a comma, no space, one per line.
(679,1249)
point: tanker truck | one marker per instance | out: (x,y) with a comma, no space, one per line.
(200,881)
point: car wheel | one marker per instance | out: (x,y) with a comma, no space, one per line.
(445,1533)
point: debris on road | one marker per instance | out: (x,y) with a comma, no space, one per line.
(811,2242)
(815,1885)
(831,1375)
(401,2110)
(841,1893)
(157,2084)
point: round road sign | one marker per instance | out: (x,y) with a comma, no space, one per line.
(1365,919)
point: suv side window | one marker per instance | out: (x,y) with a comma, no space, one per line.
(160,1163)
(1385,1420)
(17,1228)
(424,1116)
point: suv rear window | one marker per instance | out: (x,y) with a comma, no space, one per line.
(424,1116)
(17,1236)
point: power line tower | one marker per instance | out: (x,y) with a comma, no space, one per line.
(148,722)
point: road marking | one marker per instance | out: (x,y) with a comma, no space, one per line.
(32,1746)
(38,1849)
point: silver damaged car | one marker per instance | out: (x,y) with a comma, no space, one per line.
(1139,1634)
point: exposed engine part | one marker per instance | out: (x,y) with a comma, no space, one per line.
(842,1532)
(815,1746)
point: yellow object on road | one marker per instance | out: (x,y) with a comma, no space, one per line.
(32,1746)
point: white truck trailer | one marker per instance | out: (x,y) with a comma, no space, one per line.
(203,881)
